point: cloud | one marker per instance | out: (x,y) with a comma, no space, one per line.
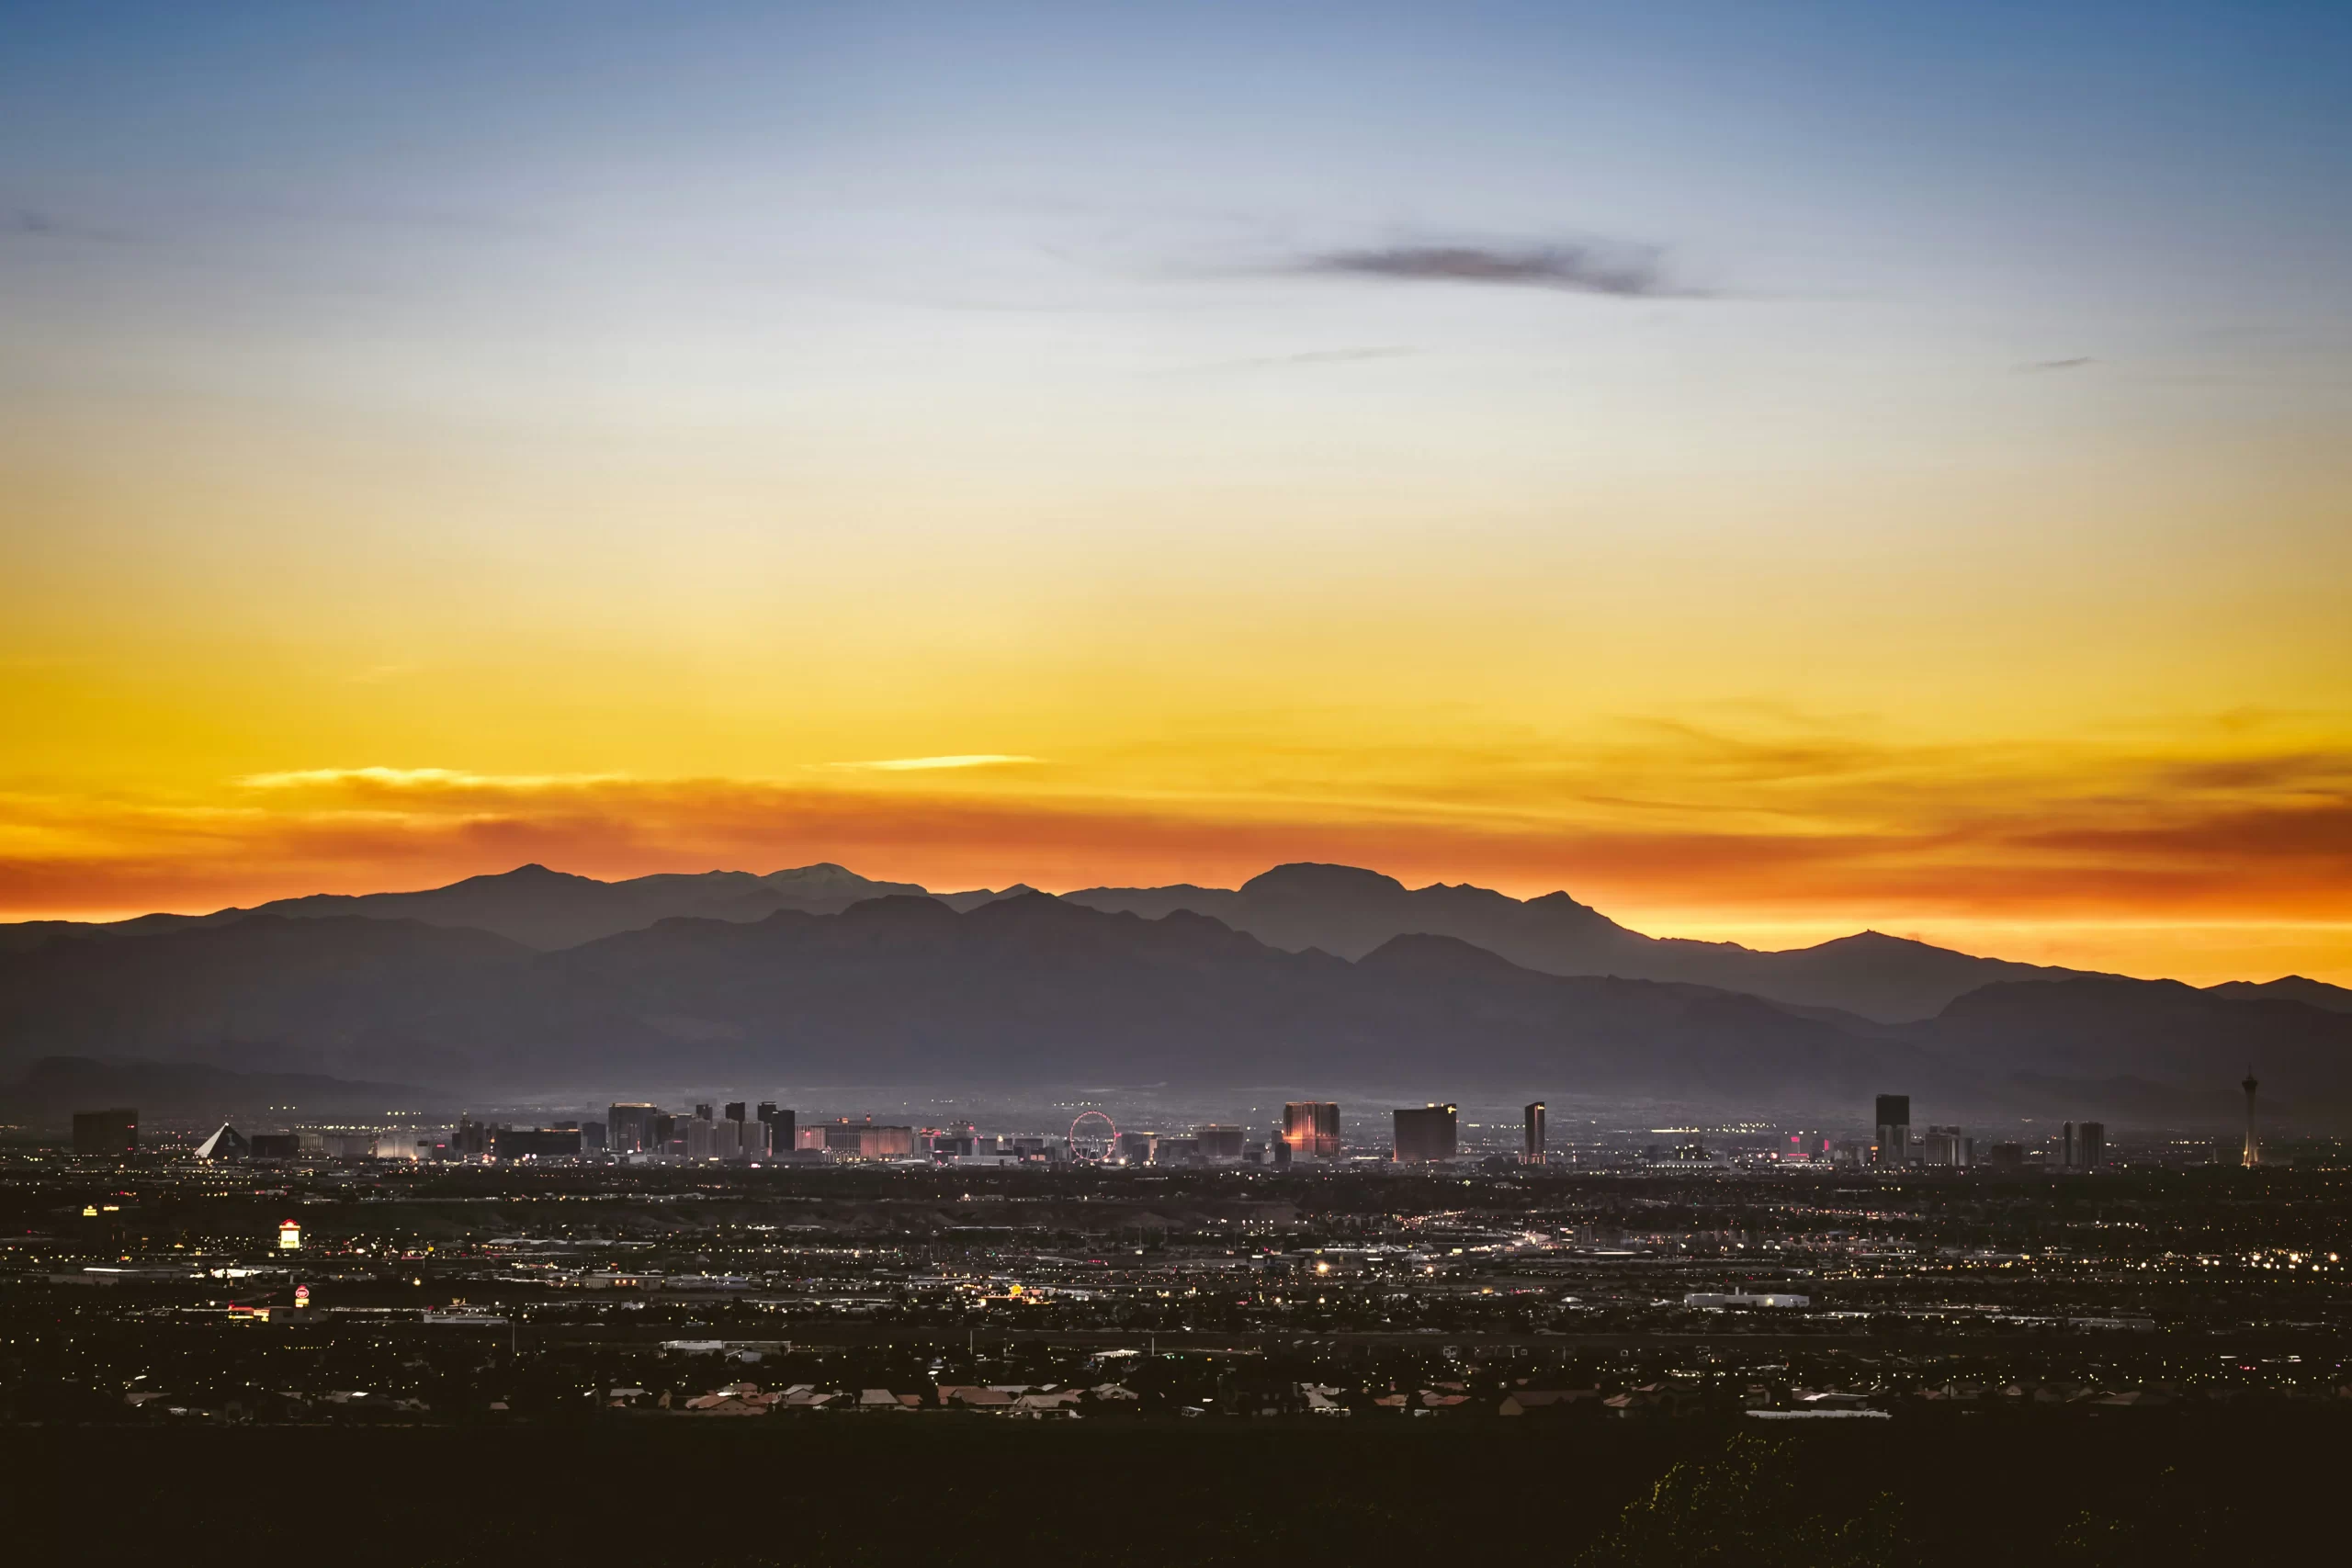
(421,779)
(1628,272)
(1708,827)
(2042,366)
(931,764)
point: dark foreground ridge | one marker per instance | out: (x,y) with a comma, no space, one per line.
(880,1491)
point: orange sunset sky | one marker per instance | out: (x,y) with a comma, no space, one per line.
(1749,483)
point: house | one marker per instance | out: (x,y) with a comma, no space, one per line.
(1041,1404)
(974,1397)
(1548,1400)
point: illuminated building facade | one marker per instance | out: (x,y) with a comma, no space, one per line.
(629,1127)
(1311,1128)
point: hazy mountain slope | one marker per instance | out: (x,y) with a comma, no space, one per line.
(1040,991)
(2287,988)
(1342,910)
(533,905)
(1033,989)
(55,1087)
(2160,1029)
(1021,989)
(308,994)
(964,902)
(1349,911)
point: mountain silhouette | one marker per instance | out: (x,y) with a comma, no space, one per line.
(1034,989)
(532,904)
(1347,911)
(1343,911)
(2287,988)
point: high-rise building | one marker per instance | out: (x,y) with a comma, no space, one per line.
(846,1139)
(1218,1141)
(1424,1134)
(1280,1146)
(2067,1146)
(1311,1127)
(783,1131)
(99,1135)
(702,1137)
(1894,1129)
(1533,1153)
(2091,1144)
(2253,1155)
(738,1112)
(703,1112)
(1948,1146)
(629,1127)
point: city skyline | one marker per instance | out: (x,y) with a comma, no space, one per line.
(1769,475)
(1310,780)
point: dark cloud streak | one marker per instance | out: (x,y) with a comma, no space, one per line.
(1624,272)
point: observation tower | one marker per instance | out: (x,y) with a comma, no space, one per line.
(2253,1155)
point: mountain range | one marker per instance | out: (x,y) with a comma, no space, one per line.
(1307,975)
(1342,910)
(1349,911)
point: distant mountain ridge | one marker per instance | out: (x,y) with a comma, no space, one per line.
(536,906)
(1347,911)
(1023,989)
(2288,987)
(1033,989)
(1343,911)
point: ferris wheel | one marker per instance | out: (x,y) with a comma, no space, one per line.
(1109,1141)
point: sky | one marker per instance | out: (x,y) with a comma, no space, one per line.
(1768,470)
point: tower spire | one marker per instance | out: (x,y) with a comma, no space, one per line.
(2253,1155)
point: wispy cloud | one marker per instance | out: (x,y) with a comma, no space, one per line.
(2043,366)
(1626,271)
(1825,820)
(421,779)
(928,764)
